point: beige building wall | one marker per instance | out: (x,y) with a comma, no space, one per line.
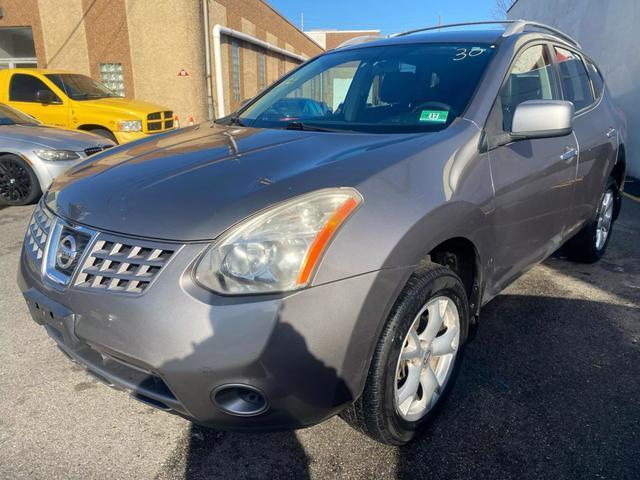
(65,41)
(167,36)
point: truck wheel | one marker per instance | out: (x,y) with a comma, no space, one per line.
(590,243)
(416,359)
(103,132)
(19,184)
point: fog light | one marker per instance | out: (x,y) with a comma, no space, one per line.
(240,400)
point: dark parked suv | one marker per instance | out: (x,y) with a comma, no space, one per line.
(265,273)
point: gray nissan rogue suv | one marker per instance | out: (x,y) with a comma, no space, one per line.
(301,259)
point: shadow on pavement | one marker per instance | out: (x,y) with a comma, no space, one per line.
(548,389)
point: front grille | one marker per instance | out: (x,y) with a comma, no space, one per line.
(37,233)
(125,267)
(158,121)
(80,242)
(91,150)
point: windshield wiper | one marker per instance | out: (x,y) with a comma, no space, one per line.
(313,128)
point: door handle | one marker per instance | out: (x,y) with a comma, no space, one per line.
(611,132)
(569,153)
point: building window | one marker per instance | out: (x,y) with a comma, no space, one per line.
(17,49)
(262,75)
(113,78)
(235,62)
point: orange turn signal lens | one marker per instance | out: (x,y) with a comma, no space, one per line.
(322,239)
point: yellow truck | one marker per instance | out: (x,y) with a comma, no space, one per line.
(75,101)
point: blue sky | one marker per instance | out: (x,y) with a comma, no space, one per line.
(387,15)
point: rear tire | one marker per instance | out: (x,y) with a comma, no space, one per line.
(103,132)
(590,243)
(433,305)
(19,184)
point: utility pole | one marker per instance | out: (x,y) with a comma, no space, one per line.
(302,21)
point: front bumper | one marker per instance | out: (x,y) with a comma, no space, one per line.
(172,346)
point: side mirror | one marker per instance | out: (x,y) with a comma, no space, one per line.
(45,96)
(542,119)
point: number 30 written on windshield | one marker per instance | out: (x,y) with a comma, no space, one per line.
(463,53)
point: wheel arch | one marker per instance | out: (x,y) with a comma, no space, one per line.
(92,126)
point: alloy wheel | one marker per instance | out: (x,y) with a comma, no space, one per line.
(604,220)
(15,183)
(427,358)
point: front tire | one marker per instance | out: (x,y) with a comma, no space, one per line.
(19,184)
(416,359)
(590,243)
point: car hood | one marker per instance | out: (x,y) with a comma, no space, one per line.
(49,137)
(120,105)
(192,184)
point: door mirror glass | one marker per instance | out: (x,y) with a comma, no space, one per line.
(45,96)
(542,118)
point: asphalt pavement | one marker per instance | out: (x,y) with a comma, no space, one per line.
(549,388)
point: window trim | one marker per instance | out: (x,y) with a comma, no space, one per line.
(556,64)
(586,60)
(56,91)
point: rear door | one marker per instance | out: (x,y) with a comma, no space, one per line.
(593,126)
(23,90)
(533,179)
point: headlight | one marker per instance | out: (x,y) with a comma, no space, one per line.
(129,125)
(277,250)
(57,155)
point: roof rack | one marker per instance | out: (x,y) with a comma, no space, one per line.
(512,27)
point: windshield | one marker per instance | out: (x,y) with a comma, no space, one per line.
(11,116)
(80,87)
(386,89)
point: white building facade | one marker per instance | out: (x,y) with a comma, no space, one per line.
(607,30)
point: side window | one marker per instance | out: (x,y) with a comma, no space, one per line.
(575,80)
(530,78)
(23,88)
(596,78)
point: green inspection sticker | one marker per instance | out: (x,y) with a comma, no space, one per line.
(434,116)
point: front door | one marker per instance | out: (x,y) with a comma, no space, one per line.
(533,179)
(23,90)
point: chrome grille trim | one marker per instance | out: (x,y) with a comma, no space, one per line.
(121,265)
(38,233)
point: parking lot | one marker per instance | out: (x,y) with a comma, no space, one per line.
(549,389)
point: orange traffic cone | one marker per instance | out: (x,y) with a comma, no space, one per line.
(176,121)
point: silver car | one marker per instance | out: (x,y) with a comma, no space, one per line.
(283,265)
(32,155)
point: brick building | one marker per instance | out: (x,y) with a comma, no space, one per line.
(157,50)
